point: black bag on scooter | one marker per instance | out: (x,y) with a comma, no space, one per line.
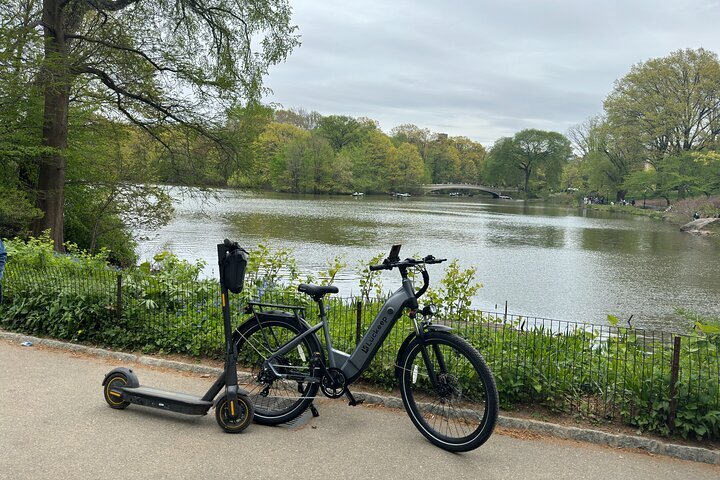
(233,270)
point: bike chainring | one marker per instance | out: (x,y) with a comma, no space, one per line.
(333,383)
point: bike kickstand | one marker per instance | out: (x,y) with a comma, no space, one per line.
(352,402)
(314,410)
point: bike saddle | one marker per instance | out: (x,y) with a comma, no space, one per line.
(317,291)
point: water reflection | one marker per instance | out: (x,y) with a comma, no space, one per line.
(517,235)
(545,261)
(323,230)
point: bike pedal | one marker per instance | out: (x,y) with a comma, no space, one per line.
(314,410)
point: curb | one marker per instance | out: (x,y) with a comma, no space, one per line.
(682,452)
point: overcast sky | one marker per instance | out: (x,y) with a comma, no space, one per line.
(482,69)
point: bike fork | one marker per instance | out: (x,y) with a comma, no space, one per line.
(420,333)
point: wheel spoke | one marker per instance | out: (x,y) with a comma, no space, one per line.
(276,399)
(452,411)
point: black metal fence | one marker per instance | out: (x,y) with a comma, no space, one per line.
(656,381)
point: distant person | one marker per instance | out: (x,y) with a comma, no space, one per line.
(3,258)
(696,215)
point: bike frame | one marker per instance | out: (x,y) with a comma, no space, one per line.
(354,364)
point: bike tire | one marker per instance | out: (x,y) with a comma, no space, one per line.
(275,400)
(459,415)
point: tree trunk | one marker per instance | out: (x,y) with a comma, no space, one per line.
(51,175)
(527,179)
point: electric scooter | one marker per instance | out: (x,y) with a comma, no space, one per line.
(233,409)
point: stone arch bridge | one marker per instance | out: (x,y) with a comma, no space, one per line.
(496,192)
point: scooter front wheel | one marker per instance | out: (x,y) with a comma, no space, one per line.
(244,416)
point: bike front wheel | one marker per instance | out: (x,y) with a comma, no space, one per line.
(458,411)
(276,399)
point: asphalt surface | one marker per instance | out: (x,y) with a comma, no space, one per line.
(55,424)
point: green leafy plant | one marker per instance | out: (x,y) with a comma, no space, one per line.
(454,296)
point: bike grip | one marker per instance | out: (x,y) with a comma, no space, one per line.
(374,268)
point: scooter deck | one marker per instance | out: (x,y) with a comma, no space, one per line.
(165,400)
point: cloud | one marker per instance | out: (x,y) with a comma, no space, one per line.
(482,69)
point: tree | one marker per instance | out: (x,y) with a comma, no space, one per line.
(299,117)
(371,162)
(244,125)
(472,155)
(708,172)
(610,151)
(533,153)
(318,158)
(410,168)
(340,131)
(20,121)
(287,165)
(409,133)
(499,169)
(671,103)
(268,150)
(663,109)
(442,161)
(156,63)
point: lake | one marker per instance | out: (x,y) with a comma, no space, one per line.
(555,262)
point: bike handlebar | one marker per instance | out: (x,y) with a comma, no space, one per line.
(408,262)
(380,267)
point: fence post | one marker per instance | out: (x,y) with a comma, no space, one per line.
(358,321)
(118,301)
(674,373)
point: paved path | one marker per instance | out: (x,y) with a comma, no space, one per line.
(55,424)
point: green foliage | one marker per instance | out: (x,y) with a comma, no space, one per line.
(270,271)
(603,373)
(530,155)
(38,252)
(165,67)
(327,277)
(16,211)
(93,229)
(370,283)
(457,289)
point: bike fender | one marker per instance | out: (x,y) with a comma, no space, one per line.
(131,377)
(410,338)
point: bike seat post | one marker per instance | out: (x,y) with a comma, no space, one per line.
(326,329)
(321,306)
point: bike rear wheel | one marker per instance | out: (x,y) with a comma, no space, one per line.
(276,399)
(459,413)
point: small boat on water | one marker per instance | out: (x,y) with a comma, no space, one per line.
(401,195)
(358,194)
